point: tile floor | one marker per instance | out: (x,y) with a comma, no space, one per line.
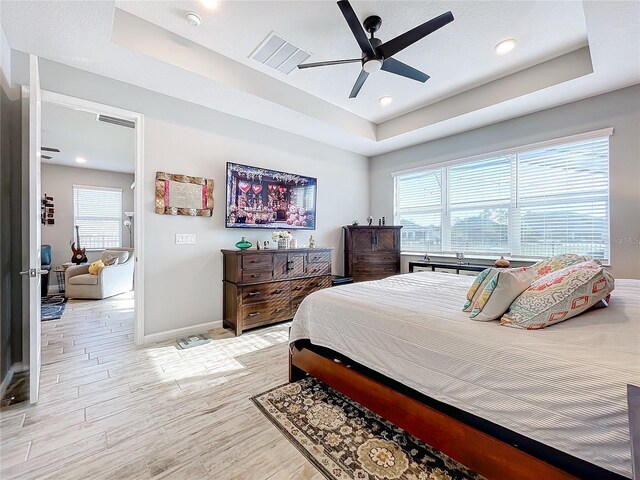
(109,409)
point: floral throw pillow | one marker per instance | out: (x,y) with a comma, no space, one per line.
(558,262)
(560,295)
(500,292)
(478,286)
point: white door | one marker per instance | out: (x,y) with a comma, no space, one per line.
(31,200)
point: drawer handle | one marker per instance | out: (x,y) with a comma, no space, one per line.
(298,288)
(315,284)
(279,290)
(256,275)
(389,258)
(253,314)
(253,294)
(389,269)
(255,261)
(279,309)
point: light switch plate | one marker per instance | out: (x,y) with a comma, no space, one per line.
(185,238)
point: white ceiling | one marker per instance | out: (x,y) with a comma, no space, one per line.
(458,56)
(77,133)
(150,45)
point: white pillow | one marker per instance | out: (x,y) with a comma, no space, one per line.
(500,292)
(478,286)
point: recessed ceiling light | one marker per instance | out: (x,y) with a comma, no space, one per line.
(505,46)
(81,160)
(193,19)
(210,4)
(384,101)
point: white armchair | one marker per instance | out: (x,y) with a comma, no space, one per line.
(112,280)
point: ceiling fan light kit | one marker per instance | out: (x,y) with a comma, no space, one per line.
(376,55)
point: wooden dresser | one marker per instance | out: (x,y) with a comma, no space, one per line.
(371,253)
(266,286)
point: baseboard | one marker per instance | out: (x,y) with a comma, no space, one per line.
(181,332)
(6,382)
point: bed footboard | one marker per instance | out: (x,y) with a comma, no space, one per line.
(490,457)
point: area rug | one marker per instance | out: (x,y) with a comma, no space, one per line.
(345,440)
(53,307)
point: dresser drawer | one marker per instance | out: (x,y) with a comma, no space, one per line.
(374,258)
(266,312)
(375,269)
(319,257)
(257,261)
(264,292)
(319,269)
(306,286)
(295,304)
(253,276)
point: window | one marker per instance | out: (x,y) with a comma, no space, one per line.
(97,212)
(531,202)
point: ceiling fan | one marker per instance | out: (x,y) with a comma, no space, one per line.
(377,55)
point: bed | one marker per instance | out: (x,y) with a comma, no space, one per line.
(555,397)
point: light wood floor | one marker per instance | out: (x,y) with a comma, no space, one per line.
(109,409)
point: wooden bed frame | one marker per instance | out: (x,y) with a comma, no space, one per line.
(489,449)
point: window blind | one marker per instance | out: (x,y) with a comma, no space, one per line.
(531,203)
(98,216)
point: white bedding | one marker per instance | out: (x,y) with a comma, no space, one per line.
(564,386)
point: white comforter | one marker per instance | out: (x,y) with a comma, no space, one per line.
(564,386)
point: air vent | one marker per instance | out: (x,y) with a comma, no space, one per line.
(277,53)
(116,121)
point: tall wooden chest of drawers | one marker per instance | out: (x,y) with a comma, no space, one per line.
(262,287)
(371,253)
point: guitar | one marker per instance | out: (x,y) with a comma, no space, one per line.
(79,254)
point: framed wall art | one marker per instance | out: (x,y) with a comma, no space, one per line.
(184,195)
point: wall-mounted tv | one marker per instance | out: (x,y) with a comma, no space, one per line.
(261,198)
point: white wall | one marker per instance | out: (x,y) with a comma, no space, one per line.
(183,284)
(58,182)
(619,109)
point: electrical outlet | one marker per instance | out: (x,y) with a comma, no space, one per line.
(185,238)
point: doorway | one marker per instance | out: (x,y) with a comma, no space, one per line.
(123,124)
(92,236)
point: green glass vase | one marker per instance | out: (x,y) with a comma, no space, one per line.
(243,244)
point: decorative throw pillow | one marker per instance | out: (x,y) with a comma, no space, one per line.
(500,292)
(558,262)
(121,255)
(95,267)
(477,287)
(110,261)
(560,295)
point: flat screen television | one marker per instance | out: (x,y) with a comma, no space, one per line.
(261,198)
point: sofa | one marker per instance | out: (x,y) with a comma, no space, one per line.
(111,280)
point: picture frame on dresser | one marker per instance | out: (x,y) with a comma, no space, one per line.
(262,287)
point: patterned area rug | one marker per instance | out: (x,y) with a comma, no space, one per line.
(53,307)
(345,440)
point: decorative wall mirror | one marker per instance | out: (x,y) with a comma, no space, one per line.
(184,195)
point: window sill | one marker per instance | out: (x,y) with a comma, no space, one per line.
(480,258)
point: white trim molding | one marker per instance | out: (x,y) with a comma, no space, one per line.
(181,332)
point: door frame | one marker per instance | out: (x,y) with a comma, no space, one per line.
(138,192)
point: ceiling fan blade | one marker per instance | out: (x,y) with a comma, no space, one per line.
(50,149)
(331,62)
(390,48)
(45,157)
(356,28)
(359,82)
(392,65)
